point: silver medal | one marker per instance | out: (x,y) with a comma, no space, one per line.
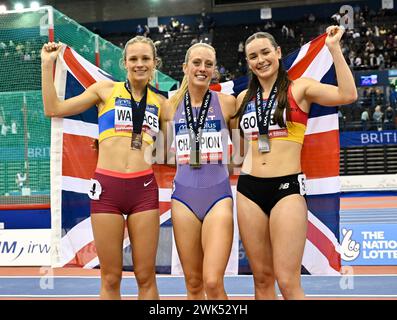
(263,143)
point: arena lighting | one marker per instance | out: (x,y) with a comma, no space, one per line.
(3,8)
(19,6)
(34,5)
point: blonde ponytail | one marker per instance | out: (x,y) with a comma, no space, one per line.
(176,99)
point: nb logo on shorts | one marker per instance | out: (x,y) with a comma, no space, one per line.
(284,186)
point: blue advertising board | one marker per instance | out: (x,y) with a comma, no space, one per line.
(368,244)
(366,138)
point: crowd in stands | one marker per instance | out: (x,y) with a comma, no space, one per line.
(370,45)
(22,55)
(383,114)
(12,128)
(374,110)
(22,51)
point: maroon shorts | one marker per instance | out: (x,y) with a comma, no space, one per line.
(125,193)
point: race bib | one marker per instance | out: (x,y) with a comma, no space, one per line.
(302,184)
(151,119)
(122,119)
(215,144)
(95,189)
(250,127)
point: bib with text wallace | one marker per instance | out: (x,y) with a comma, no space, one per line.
(123,117)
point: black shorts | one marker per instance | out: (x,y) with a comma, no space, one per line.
(266,192)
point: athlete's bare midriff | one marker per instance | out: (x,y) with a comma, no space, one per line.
(115,154)
(284,159)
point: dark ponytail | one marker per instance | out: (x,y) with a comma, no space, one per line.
(253,86)
(283,82)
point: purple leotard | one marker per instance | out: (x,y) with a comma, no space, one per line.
(200,189)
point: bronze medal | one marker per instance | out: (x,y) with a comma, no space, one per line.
(136,141)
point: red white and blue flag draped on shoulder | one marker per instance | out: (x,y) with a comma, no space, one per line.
(320,158)
(320,162)
(73,161)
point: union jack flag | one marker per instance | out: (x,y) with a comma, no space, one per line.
(73,161)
